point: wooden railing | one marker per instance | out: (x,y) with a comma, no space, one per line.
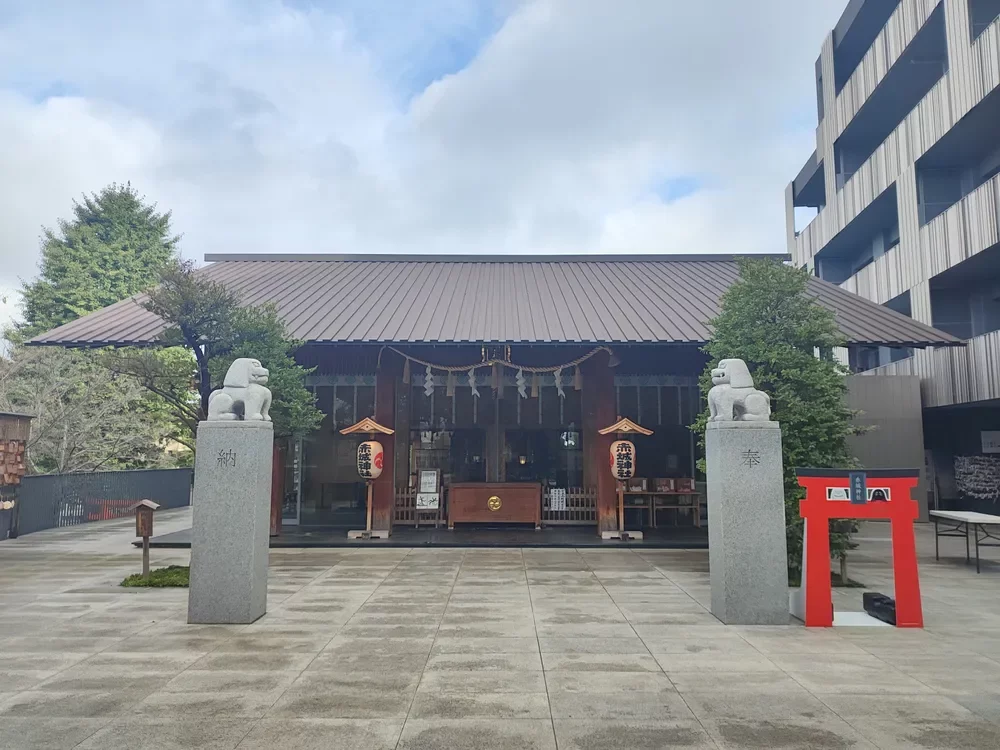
(581,507)
(406,502)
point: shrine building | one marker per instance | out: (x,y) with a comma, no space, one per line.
(496,376)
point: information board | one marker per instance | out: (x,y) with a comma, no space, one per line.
(557,499)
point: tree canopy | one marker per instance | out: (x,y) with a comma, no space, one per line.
(208,321)
(115,246)
(769,320)
(120,408)
(86,418)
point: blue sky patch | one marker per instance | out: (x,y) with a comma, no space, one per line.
(673,189)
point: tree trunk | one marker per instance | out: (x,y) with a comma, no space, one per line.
(204,379)
(63,448)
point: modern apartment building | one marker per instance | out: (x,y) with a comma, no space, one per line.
(905,188)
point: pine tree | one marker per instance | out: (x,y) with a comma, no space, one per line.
(87,417)
(115,246)
(769,320)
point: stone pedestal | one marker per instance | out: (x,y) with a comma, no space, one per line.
(746,523)
(230,531)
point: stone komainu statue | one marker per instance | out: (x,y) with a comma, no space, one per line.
(733,397)
(243,395)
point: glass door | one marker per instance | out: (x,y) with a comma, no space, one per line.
(331,493)
(291,500)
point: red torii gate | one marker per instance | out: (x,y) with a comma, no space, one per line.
(828,496)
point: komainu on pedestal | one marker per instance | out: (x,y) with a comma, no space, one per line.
(232,501)
(243,395)
(746,502)
(733,397)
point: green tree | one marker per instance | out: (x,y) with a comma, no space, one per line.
(169,376)
(258,333)
(208,321)
(769,320)
(200,315)
(85,417)
(115,246)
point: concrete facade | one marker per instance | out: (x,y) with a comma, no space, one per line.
(889,411)
(746,523)
(905,180)
(231,527)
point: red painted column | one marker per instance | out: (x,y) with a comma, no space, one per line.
(599,412)
(384,492)
(819,590)
(906,578)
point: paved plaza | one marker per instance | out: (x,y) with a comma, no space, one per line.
(479,649)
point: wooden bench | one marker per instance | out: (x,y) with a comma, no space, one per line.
(960,521)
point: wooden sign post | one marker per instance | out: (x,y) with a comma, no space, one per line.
(144,528)
(621,505)
(368,512)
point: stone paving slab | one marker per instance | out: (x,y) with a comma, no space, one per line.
(491,648)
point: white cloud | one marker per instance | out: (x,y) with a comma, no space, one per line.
(269,127)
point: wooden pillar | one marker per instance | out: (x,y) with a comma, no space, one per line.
(598,412)
(384,495)
(401,444)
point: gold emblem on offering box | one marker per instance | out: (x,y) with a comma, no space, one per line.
(494,503)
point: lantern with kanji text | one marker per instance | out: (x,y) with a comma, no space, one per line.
(623,460)
(370,459)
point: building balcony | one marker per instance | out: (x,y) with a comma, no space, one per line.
(956,95)
(881,60)
(953,375)
(968,227)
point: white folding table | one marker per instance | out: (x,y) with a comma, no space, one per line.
(960,521)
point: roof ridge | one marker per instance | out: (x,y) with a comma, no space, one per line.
(446,258)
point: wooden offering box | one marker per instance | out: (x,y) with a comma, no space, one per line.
(506,502)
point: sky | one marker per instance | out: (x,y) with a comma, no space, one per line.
(394,126)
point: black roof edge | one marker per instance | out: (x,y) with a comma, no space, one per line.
(325,342)
(397,258)
(874,473)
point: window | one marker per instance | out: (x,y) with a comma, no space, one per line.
(864,358)
(901,304)
(892,236)
(939,190)
(982,13)
(819,98)
(906,83)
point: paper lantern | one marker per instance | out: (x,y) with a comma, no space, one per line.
(370,458)
(622,460)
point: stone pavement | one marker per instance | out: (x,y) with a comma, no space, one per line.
(479,649)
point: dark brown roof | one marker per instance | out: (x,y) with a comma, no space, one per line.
(415,299)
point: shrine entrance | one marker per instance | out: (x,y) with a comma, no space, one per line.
(530,424)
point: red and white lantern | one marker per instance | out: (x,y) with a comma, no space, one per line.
(622,460)
(370,459)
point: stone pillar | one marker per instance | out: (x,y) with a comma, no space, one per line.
(746,523)
(230,529)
